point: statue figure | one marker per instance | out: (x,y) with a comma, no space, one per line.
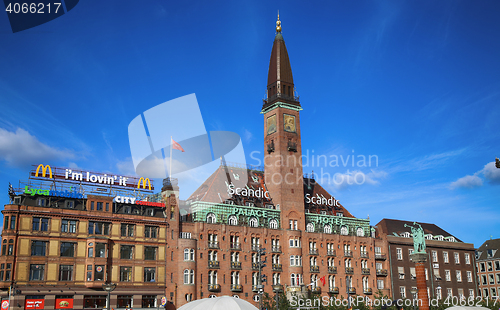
(418,238)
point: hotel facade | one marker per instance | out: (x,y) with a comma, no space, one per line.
(244,231)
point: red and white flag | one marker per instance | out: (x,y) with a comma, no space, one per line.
(176,146)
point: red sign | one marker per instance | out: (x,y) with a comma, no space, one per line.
(64,303)
(5,304)
(34,304)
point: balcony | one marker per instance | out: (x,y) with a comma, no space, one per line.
(255,266)
(277,267)
(276,249)
(365,271)
(352,290)
(278,288)
(331,253)
(367,291)
(236,288)
(214,287)
(316,290)
(236,265)
(313,251)
(254,288)
(235,246)
(348,253)
(255,247)
(314,268)
(332,269)
(334,290)
(349,270)
(213,264)
(380,256)
(213,244)
(364,254)
(382,272)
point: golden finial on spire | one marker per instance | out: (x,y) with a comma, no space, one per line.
(278,23)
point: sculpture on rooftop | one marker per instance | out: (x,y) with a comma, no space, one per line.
(418,238)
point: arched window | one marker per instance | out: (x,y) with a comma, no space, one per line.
(314,280)
(212,277)
(327,229)
(294,280)
(253,222)
(429,237)
(344,231)
(186,254)
(310,227)
(186,276)
(255,278)
(211,218)
(360,232)
(273,224)
(232,220)
(191,276)
(331,281)
(276,278)
(235,277)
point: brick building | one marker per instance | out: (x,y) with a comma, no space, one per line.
(450,266)
(488,268)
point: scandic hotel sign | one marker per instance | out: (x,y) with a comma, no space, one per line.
(46,171)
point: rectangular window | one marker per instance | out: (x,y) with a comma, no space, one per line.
(399,253)
(65,272)
(36,224)
(150,253)
(100,250)
(149,274)
(89,272)
(469,276)
(446,260)
(402,291)
(40,224)
(125,301)
(447,275)
(457,258)
(92,206)
(99,206)
(151,232)
(13,222)
(449,292)
(37,272)
(6,223)
(67,249)
(99,273)
(459,276)
(38,248)
(401,272)
(68,226)
(127,230)
(126,274)
(149,301)
(467,258)
(107,206)
(434,256)
(94,301)
(126,252)
(380,284)
(98,228)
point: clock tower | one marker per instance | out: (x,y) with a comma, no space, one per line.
(282,144)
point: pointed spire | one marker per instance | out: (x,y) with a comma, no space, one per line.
(280,85)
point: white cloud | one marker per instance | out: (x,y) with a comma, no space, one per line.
(468,181)
(20,148)
(248,135)
(491,172)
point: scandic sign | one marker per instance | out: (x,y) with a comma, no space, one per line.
(46,171)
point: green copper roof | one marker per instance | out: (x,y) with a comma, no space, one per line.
(278,36)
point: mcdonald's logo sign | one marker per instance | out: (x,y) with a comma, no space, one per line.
(143,181)
(44,170)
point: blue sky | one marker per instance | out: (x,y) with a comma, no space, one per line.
(415,84)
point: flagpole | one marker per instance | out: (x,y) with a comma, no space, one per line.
(170,172)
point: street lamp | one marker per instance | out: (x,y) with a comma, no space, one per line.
(414,292)
(109,287)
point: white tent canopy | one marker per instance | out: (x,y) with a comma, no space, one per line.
(219,303)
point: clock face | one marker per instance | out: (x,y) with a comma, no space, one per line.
(289,122)
(271,124)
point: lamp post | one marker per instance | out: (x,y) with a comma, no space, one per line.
(414,292)
(109,287)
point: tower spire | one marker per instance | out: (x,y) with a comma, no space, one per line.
(278,23)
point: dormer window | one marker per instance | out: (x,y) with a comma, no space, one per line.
(428,237)
(439,238)
(405,235)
